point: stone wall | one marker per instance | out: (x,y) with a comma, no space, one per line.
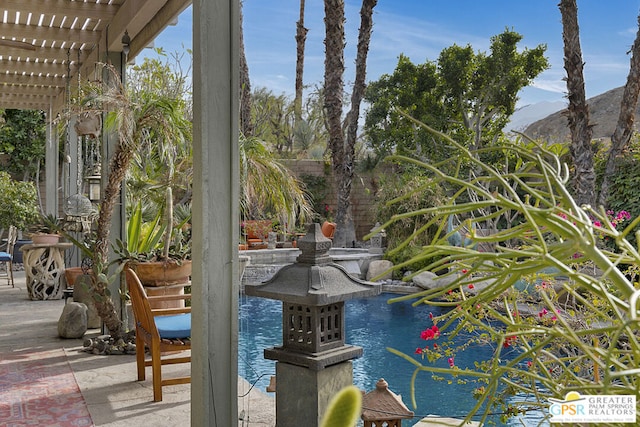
(363,190)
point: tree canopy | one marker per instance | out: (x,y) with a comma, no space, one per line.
(22,137)
(468,95)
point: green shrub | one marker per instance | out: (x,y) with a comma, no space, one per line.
(18,203)
(400,194)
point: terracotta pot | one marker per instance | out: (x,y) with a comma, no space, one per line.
(163,278)
(71,274)
(162,273)
(45,239)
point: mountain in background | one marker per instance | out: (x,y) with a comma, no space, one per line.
(603,115)
(524,116)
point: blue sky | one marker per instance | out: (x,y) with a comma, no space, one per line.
(420,29)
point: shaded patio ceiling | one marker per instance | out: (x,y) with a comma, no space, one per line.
(46,43)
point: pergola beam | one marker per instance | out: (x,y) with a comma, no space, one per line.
(22,79)
(43,54)
(48,34)
(75,9)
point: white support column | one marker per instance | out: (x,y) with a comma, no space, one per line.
(51,167)
(214,367)
(75,165)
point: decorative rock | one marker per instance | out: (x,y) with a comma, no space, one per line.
(426,280)
(378,267)
(441,282)
(480,285)
(73,321)
(106,345)
(82,294)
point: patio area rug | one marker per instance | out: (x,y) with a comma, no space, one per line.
(39,389)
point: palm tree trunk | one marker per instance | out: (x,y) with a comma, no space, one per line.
(624,128)
(333,92)
(246,124)
(578,112)
(104,304)
(346,178)
(301,37)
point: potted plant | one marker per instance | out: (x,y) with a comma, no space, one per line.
(159,251)
(46,231)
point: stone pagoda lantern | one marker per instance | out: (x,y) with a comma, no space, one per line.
(382,407)
(314,362)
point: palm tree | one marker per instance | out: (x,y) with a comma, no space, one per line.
(267,187)
(622,134)
(581,132)
(138,121)
(246,123)
(343,149)
(301,38)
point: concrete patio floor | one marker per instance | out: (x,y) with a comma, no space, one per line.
(108,383)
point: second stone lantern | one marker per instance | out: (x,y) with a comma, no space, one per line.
(314,362)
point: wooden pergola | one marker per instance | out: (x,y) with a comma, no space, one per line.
(44,44)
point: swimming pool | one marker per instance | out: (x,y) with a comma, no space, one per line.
(374,325)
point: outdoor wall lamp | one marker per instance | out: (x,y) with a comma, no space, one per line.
(126,42)
(94,187)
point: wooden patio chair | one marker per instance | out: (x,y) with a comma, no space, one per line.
(7,256)
(163,331)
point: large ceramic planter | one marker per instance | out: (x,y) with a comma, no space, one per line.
(162,273)
(164,278)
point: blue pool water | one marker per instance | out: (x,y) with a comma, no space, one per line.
(374,325)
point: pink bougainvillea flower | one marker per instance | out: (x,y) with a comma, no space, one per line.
(510,340)
(418,350)
(430,316)
(436,331)
(435,346)
(427,334)
(529,363)
(543,312)
(430,333)
(451,362)
(597,224)
(471,286)
(464,271)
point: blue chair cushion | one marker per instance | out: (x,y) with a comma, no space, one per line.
(5,256)
(174,326)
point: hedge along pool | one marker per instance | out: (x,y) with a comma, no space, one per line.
(374,325)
